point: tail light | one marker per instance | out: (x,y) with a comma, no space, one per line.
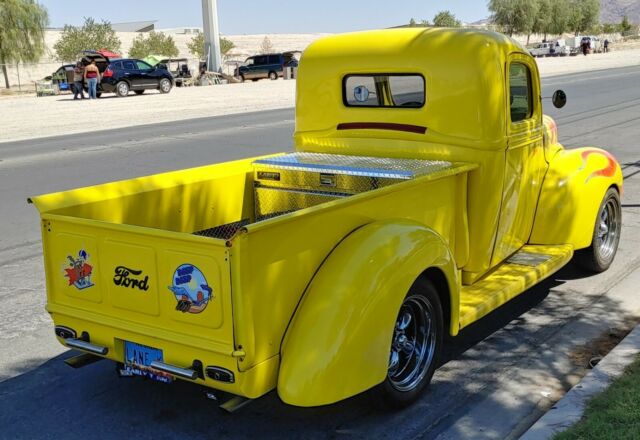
(107,73)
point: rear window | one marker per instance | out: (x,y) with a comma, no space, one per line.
(274,59)
(116,66)
(129,65)
(384,90)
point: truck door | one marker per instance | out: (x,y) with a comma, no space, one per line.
(525,163)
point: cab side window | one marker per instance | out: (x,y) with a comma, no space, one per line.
(520,93)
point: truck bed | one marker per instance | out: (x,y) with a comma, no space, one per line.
(208,264)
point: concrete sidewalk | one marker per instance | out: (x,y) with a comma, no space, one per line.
(569,410)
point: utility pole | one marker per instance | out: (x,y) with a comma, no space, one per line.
(211,35)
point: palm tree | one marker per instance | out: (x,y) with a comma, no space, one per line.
(22,24)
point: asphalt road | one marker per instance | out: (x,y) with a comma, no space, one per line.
(497,378)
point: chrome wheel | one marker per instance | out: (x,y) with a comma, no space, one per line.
(608,230)
(606,235)
(414,344)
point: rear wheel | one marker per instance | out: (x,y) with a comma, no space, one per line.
(164,86)
(241,78)
(273,76)
(122,89)
(415,346)
(139,92)
(606,235)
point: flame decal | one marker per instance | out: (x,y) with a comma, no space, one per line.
(607,171)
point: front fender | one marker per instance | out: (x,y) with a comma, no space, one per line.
(572,191)
(338,342)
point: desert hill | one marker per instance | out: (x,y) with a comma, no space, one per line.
(612,11)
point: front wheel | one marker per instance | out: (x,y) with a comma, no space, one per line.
(273,76)
(415,346)
(165,85)
(606,235)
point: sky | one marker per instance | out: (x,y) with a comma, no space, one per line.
(266,16)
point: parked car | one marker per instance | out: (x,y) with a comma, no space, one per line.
(130,74)
(541,50)
(61,77)
(267,66)
(552,49)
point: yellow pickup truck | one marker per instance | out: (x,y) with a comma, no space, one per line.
(426,189)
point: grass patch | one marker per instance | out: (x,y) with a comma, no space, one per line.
(614,414)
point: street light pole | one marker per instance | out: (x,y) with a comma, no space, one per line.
(211,35)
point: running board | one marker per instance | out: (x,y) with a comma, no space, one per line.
(516,274)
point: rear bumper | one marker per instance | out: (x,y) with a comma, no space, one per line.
(252,383)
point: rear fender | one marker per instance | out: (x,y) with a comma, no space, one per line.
(338,342)
(572,191)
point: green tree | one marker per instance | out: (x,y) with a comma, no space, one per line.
(574,19)
(590,15)
(445,19)
(543,18)
(196,46)
(226,46)
(91,36)
(158,43)
(609,28)
(559,17)
(583,15)
(513,16)
(412,22)
(22,24)
(625,26)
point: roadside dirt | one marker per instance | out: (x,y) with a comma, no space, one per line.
(590,354)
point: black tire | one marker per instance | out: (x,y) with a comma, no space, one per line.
(242,79)
(164,85)
(98,94)
(419,319)
(273,76)
(139,92)
(606,235)
(122,89)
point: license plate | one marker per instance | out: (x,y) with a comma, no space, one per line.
(138,358)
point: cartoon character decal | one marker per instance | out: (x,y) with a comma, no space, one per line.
(79,272)
(190,289)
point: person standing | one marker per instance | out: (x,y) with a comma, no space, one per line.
(606,45)
(78,75)
(92,75)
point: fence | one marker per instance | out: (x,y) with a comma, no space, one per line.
(23,76)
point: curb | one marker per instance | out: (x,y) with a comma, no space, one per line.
(568,411)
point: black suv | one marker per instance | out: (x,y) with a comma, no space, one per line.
(266,66)
(123,75)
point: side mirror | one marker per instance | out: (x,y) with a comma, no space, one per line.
(559,99)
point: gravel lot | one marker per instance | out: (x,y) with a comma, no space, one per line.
(27,117)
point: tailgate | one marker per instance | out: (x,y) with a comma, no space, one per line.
(159,284)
